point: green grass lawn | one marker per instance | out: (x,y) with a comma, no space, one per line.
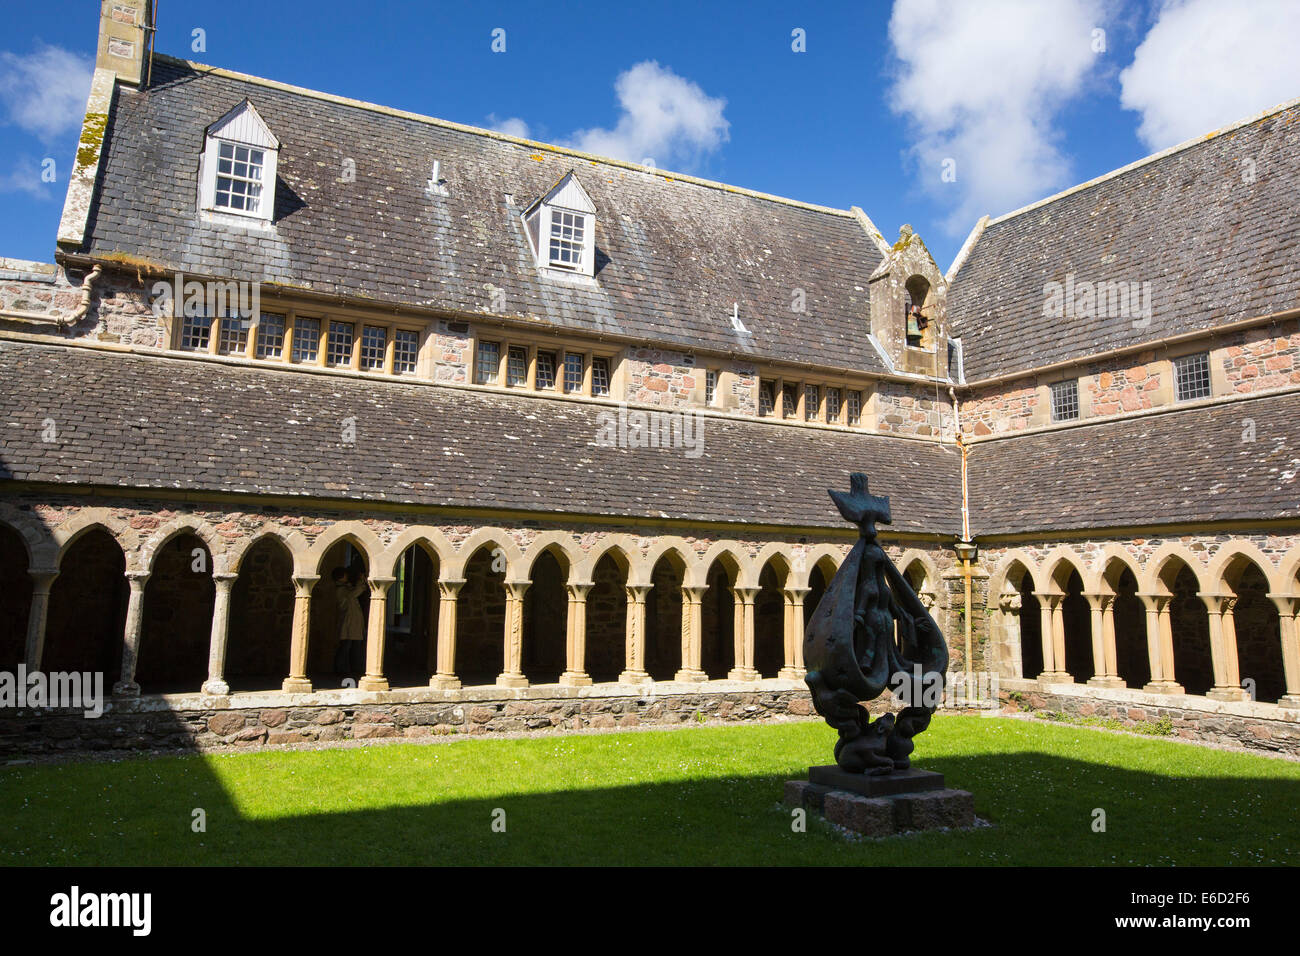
(699,795)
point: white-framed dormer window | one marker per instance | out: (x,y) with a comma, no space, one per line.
(562,229)
(240,156)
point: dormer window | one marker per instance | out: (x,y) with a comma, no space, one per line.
(239,164)
(562,229)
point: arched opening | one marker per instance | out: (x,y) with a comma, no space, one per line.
(88,601)
(607,618)
(819,578)
(261,618)
(481,619)
(546,614)
(411,628)
(919,334)
(769,618)
(176,629)
(1190,627)
(718,614)
(1076,618)
(1132,657)
(336,653)
(1259,638)
(663,616)
(1031,624)
(17,584)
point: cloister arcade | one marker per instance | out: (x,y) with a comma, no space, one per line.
(1173,622)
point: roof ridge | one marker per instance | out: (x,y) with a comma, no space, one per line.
(1169,151)
(503,137)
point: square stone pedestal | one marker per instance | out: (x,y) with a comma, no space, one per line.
(885,805)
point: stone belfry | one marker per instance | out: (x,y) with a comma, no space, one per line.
(909,315)
(124,28)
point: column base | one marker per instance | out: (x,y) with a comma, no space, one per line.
(512,680)
(1164,687)
(1055,677)
(444,682)
(791,673)
(1289,700)
(1107,682)
(126,688)
(575,679)
(296,685)
(633,677)
(216,688)
(742,673)
(372,683)
(689,675)
(1227,693)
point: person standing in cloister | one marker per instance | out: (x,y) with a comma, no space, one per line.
(349,658)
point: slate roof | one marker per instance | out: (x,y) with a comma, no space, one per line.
(1214,247)
(671,255)
(1188,465)
(155,422)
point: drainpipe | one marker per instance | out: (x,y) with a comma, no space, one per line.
(965,548)
(84,307)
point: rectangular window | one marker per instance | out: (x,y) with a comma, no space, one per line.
(374,342)
(574,368)
(405,348)
(546,369)
(789,399)
(239,177)
(833,405)
(517,366)
(766,398)
(1192,377)
(270,336)
(306,340)
(488,364)
(710,386)
(811,402)
(567,230)
(854,406)
(338,352)
(600,376)
(233,338)
(1065,400)
(195,330)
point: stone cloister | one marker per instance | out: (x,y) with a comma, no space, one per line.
(221,603)
(1165,618)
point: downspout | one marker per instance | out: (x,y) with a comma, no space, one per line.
(84,307)
(965,548)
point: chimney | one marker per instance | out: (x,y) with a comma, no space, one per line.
(122,38)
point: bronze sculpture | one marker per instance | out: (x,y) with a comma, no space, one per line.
(870,631)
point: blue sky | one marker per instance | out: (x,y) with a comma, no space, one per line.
(1014,99)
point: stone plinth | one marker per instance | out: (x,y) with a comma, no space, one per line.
(887,805)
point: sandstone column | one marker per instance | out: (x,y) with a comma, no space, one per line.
(1160,645)
(575,634)
(445,678)
(42,581)
(297,682)
(126,685)
(634,671)
(1104,659)
(216,682)
(1223,647)
(1053,638)
(692,617)
(744,634)
(1011,661)
(1286,621)
(793,669)
(513,675)
(376,632)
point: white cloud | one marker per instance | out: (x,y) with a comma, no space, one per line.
(1205,64)
(511,126)
(665,118)
(25,177)
(982,85)
(44,92)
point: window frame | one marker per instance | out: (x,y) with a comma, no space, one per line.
(211,160)
(1057,406)
(1178,365)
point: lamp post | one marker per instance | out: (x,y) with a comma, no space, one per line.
(968,553)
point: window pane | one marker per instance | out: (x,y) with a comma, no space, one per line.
(270,336)
(567,231)
(306,339)
(1065,400)
(710,385)
(1192,376)
(339,350)
(854,406)
(195,331)
(546,370)
(811,402)
(766,398)
(405,348)
(517,366)
(600,376)
(789,400)
(374,341)
(234,336)
(573,369)
(833,405)
(488,364)
(239,177)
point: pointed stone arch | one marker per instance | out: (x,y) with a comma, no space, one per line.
(432,539)
(1111,563)
(88,519)
(731,553)
(815,555)
(1155,578)
(1228,561)
(628,557)
(355,532)
(645,565)
(1054,564)
(497,538)
(184,524)
(41,544)
(294,541)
